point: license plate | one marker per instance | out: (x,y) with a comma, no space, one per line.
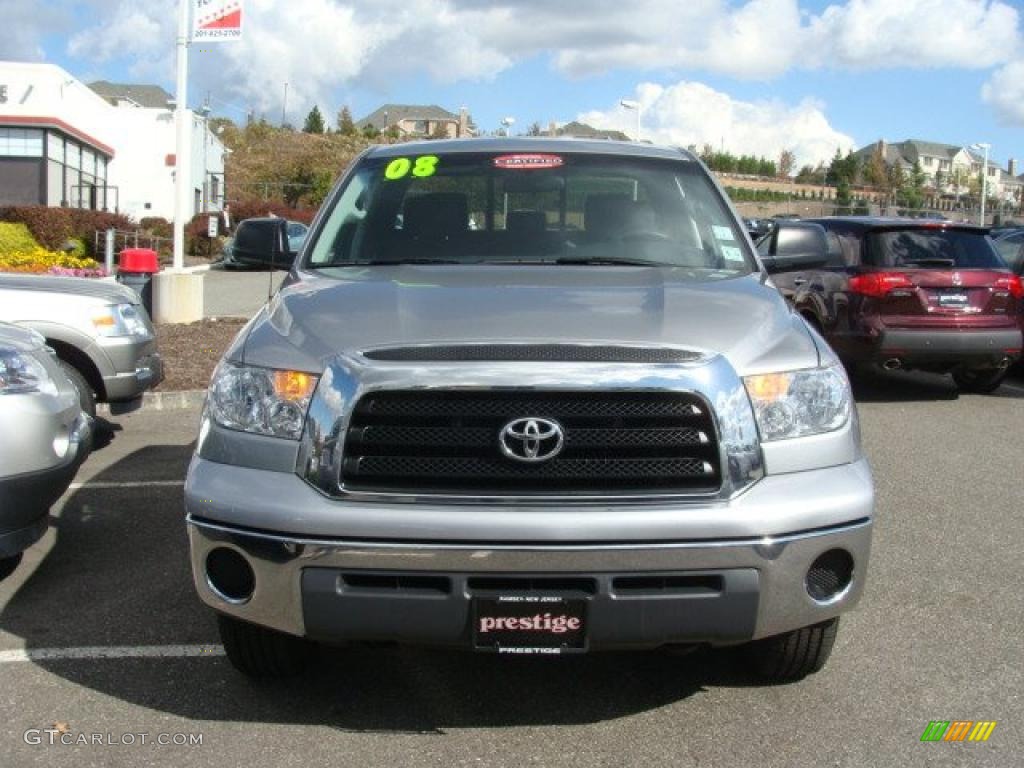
(529,624)
(952,298)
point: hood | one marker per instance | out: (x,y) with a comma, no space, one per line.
(107,291)
(20,339)
(347,310)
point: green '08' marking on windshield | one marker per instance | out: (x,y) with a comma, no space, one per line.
(424,166)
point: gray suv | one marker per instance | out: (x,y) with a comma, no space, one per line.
(528,396)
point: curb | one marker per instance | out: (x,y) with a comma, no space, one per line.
(188,399)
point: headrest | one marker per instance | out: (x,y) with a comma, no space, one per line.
(435,215)
(527,222)
(611,215)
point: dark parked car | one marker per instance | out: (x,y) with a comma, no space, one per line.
(903,293)
(758,228)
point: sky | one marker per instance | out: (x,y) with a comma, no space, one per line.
(748,76)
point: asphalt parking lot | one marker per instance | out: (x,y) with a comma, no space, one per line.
(101,633)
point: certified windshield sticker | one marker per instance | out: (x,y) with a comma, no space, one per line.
(421,167)
(723,233)
(732,254)
(529,162)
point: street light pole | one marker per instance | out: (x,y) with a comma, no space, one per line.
(635,105)
(984,179)
(182,124)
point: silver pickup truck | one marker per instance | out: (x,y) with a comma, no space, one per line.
(99,330)
(528,396)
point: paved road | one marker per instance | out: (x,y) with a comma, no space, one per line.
(938,636)
(236,293)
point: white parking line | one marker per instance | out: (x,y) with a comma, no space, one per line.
(110,652)
(129,484)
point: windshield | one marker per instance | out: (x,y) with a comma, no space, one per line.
(529,208)
(932,248)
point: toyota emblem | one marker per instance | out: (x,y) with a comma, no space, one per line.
(532,439)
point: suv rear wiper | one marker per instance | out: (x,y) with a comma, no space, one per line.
(610,261)
(935,261)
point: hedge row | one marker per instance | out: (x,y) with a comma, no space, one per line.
(19,252)
(53,227)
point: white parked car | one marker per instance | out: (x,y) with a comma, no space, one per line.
(46,438)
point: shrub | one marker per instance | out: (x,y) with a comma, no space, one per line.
(38,260)
(53,227)
(157,226)
(15,238)
(249,209)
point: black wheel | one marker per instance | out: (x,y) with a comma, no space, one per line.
(260,652)
(85,394)
(980,381)
(8,564)
(794,655)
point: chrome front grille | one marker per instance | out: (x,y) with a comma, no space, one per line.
(447,441)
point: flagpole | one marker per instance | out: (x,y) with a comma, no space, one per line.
(182,180)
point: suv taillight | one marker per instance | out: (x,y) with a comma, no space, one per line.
(1010,283)
(879,283)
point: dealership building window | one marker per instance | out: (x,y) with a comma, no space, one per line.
(40,166)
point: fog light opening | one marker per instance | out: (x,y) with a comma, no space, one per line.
(830,576)
(229,575)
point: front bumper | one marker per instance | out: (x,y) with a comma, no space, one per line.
(26,498)
(758,553)
(135,367)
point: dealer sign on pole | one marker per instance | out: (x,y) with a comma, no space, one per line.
(216,21)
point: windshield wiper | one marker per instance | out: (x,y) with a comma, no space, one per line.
(613,261)
(392,262)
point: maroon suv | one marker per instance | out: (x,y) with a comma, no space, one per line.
(930,295)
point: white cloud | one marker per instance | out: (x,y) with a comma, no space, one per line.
(1004,92)
(876,34)
(320,46)
(691,113)
(24,25)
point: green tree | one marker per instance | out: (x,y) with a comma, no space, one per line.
(370,131)
(787,162)
(346,126)
(314,121)
(534,129)
(876,173)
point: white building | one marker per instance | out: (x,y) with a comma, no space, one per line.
(948,168)
(63,143)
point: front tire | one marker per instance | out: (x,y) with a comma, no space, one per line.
(793,655)
(259,652)
(8,564)
(979,381)
(86,396)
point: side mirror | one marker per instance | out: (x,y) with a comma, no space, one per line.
(263,243)
(796,245)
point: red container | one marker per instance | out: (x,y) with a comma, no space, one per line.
(138,261)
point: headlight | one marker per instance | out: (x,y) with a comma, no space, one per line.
(261,400)
(120,320)
(20,373)
(799,403)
